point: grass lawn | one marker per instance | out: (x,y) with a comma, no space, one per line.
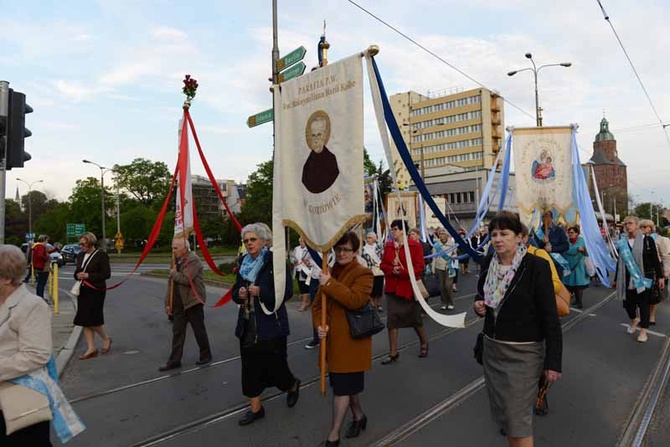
(158,257)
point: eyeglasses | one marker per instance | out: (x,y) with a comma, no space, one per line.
(82,244)
(395,229)
(251,239)
(343,250)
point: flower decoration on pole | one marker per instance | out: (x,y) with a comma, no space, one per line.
(190,88)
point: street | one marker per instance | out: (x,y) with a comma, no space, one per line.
(125,401)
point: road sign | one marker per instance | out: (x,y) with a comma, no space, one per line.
(291,58)
(261,118)
(30,237)
(292,72)
(75,230)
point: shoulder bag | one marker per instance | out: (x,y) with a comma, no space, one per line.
(76,288)
(364,322)
(22,407)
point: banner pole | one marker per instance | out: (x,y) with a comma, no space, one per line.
(322,344)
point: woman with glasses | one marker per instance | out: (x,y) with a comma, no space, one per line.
(262,336)
(347,286)
(578,279)
(403,310)
(522,333)
(92,271)
(637,268)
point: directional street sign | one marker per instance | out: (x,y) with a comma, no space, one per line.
(292,72)
(291,58)
(261,118)
(75,230)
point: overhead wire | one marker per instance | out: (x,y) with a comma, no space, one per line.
(435,55)
(637,75)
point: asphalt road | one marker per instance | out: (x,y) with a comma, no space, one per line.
(125,401)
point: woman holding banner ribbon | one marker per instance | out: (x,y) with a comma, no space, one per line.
(637,268)
(262,336)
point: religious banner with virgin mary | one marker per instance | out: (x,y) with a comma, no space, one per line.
(543,172)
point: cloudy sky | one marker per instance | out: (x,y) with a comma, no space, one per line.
(104,76)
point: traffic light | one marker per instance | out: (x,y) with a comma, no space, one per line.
(16,130)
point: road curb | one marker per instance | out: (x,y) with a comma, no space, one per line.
(65,354)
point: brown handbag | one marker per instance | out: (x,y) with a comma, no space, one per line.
(563,301)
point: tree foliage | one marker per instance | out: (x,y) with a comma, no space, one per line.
(148,181)
(258,203)
(85,205)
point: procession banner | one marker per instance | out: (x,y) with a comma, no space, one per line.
(318,160)
(183,216)
(402,206)
(543,172)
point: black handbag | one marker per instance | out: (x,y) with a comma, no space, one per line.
(250,332)
(478,350)
(364,322)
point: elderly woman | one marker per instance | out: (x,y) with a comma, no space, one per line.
(348,286)
(403,310)
(92,270)
(522,333)
(262,336)
(637,268)
(25,339)
(372,254)
(444,256)
(578,279)
(302,263)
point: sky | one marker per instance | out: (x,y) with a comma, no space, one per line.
(104,77)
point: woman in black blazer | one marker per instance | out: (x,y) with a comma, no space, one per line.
(92,271)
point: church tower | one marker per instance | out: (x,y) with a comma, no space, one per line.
(610,172)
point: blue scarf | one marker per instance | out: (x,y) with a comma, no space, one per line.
(637,278)
(65,421)
(250,266)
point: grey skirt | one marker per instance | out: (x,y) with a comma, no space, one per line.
(402,312)
(512,372)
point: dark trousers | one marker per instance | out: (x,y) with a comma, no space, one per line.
(42,278)
(636,300)
(196,317)
(34,436)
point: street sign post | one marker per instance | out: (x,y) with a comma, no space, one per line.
(263,117)
(294,56)
(292,72)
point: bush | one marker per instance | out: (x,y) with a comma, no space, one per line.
(228,268)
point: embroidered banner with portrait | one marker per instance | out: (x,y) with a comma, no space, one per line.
(543,172)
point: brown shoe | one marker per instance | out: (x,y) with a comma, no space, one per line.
(90,355)
(106,348)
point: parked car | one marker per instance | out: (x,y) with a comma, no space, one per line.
(70,252)
(55,255)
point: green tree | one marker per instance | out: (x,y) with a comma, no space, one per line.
(84,205)
(258,202)
(369,167)
(16,223)
(148,181)
(54,222)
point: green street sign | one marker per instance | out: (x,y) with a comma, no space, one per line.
(261,118)
(291,58)
(75,230)
(292,72)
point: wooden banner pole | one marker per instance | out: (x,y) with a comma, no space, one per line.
(322,344)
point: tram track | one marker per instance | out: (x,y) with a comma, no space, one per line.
(459,397)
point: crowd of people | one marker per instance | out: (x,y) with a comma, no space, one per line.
(521,275)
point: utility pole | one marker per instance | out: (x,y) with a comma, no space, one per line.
(4,108)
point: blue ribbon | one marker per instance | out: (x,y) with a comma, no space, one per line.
(639,281)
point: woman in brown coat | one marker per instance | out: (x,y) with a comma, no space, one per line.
(348,286)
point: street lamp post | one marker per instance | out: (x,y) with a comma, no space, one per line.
(104,170)
(30,203)
(536,70)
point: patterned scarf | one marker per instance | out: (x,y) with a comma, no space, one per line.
(250,266)
(498,281)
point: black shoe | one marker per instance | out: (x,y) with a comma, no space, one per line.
(332,443)
(293,396)
(356,426)
(391,359)
(312,344)
(503,432)
(169,366)
(203,361)
(251,417)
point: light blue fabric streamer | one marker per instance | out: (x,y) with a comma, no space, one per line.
(596,246)
(560,260)
(65,421)
(639,281)
(504,175)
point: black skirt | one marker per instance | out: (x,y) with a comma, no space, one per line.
(347,384)
(90,304)
(264,365)
(377,287)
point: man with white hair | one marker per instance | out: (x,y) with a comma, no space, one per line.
(187,304)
